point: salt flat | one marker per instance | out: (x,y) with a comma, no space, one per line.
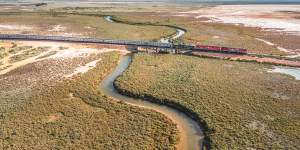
(270,17)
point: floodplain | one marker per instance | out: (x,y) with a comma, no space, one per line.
(50,91)
(242,105)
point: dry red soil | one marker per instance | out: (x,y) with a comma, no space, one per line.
(249,58)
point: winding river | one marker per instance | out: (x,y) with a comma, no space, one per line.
(191,136)
(108,18)
(179,32)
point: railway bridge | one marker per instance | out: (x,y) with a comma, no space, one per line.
(145,46)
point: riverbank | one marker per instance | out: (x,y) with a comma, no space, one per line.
(190,133)
(57,101)
(234,100)
(165,39)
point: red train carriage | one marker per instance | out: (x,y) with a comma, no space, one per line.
(221,49)
(208,47)
(234,50)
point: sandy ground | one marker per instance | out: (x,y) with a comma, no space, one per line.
(8,8)
(58,50)
(13,27)
(276,20)
(62,61)
(84,68)
(16,28)
(270,17)
(249,58)
(58,28)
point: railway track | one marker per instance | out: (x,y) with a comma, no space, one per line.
(158,46)
(83,40)
(162,47)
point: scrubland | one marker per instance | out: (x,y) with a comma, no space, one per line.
(42,109)
(209,33)
(146,25)
(240,105)
(63,24)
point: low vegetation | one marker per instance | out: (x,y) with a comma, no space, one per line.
(240,105)
(88,25)
(145,26)
(74,114)
(27,53)
(12,52)
(208,33)
(15,49)
(51,53)
(3,53)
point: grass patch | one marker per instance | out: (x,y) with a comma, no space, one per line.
(62,48)
(31,52)
(240,104)
(3,53)
(15,49)
(51,53)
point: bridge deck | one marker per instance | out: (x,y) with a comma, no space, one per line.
(83,40)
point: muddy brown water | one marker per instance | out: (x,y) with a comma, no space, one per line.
(191,135)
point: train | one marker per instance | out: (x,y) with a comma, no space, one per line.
(210,48)
(219,49)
